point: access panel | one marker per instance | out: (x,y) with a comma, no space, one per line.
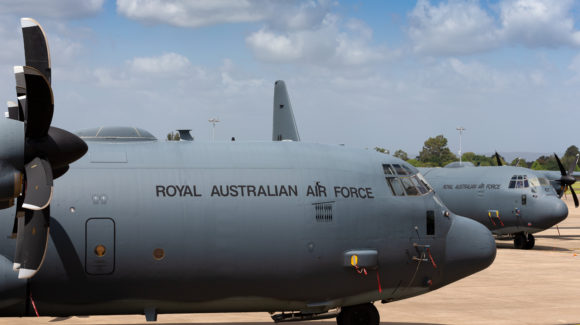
(100,246)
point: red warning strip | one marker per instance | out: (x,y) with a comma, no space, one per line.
(34,306)
(431,258)
(379,281)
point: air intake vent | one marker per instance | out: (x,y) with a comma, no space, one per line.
(323,211)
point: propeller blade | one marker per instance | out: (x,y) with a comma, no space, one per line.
(39,102)
(574,196)
(573,166)
(22,108)
(19,222)
(498,159)
(31,242)
(562,170)
(13,110)
(39,188)
(36,51)
(20,81)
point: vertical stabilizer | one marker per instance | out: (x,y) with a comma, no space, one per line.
(284,126)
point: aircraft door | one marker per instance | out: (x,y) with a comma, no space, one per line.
(100,246)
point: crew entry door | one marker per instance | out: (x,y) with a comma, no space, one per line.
(100,246)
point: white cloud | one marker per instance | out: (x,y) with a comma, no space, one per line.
(193,13)
(455,27)
(168,64)
(331,43)
(52,8)
(293,14)
(464,26)
(537,23)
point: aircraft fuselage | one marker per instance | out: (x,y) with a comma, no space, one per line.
(207,227)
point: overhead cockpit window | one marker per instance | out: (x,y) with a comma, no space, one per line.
(400,170)
(409,171)
(388,169)
(544,181)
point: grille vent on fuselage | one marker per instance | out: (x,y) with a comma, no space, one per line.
(323,211)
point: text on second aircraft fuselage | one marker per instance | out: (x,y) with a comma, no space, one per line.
(472,186)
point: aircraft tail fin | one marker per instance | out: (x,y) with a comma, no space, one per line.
(284,126)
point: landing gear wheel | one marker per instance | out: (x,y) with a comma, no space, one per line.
(365,314)
(520,241)
(530,242)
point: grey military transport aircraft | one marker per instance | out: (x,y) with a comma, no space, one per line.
(512,202)
(135,225)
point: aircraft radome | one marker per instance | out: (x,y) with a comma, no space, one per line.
(512,202)
(304,231)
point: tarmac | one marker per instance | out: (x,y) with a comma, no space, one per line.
(538,286)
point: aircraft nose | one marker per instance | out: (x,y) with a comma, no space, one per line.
(469,248)
(553,211)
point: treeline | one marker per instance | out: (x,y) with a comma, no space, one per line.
(436,153)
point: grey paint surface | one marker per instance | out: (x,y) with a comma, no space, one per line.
(475,191)
(225,253)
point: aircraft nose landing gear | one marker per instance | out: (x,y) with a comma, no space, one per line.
(365,314)
(524,241)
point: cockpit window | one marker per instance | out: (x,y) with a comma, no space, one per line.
(410,189)
(395,185)
(400,170)
(519,181)
(419,185)
(388,169)
(544,181)
(409,171)
(534,182)
(412,185)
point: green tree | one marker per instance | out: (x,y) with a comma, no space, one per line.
(537,166)
(382,150)
(569,157)
(401,155)
(493,160)
(173,136)
(435,152)
(521,162)
(548,162)
(477,160)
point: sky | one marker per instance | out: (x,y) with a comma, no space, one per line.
(365,74)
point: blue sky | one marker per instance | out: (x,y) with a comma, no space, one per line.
(365,74)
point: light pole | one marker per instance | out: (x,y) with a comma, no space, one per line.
(213,121)
(460,129)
